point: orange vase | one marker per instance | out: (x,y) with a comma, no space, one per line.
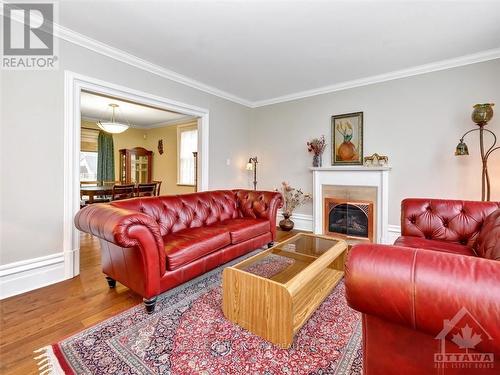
(346,151)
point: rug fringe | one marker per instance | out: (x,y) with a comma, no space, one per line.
(48,363)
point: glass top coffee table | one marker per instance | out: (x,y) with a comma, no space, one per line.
(272,294)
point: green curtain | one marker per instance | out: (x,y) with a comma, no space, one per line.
(105,157)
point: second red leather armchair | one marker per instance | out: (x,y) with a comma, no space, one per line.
(416,297)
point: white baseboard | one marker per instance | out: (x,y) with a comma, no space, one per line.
(302,222)
(305,222)
(30,274)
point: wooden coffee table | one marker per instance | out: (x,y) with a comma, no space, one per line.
(272,294)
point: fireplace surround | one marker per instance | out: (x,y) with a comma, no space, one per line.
(353,179)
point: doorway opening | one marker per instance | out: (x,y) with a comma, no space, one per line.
(117,137)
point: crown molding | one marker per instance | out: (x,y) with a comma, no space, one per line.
(125,57)
(104,49)
(84,41)
(491,54)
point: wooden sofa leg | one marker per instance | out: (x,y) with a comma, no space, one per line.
(150,304)
(270,244)
(111,282)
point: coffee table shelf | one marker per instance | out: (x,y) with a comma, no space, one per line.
(272,294)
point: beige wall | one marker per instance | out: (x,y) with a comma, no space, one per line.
(416,121)
(165,165)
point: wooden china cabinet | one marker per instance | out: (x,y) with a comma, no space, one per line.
(135,165)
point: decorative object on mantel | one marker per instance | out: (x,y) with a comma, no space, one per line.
(317,147)
(376,160)
(252,166)
(481,114)
(160,146)
(293,198)
(347,139)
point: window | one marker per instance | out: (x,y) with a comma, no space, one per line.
(187,143)
(88,154)
(88,166)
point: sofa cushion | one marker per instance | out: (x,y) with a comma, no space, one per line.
(488,241)
(422,243)
(244,229)
(190,244)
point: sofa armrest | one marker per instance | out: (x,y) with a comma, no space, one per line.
(260,205)
(125,228)
(419,288)
(444,219)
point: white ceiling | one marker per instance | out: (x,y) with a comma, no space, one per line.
(96,107)
(259,50)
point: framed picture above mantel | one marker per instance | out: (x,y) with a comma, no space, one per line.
(347,139)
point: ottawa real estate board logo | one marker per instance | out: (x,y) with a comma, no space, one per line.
(28,36)
(467,334)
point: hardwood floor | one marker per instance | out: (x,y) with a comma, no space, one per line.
(44,316)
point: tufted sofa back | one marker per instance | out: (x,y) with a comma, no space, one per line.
(488,241)
(445,220)
(257,204)
(177,212)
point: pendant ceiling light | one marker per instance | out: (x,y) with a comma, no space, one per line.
(113,126)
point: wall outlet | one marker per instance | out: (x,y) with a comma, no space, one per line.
(228,161)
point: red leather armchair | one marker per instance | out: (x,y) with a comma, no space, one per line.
(417,297)
(444,225)
(152,244)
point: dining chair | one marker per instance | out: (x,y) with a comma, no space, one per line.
(158,186)
(122,192)
(108,184)
(146,190)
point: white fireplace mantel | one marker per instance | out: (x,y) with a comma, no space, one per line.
(353,176)
(358,168)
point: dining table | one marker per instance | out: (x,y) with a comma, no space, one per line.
(93,191)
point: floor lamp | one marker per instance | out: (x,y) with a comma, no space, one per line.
(481,114)
(252,166)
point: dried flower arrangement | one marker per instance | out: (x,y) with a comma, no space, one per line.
(293,198)
(317,147)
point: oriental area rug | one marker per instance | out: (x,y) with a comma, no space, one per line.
(188,334)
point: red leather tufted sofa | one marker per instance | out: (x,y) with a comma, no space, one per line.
(445,266)
(152,244)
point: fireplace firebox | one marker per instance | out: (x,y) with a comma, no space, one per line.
(349,219)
